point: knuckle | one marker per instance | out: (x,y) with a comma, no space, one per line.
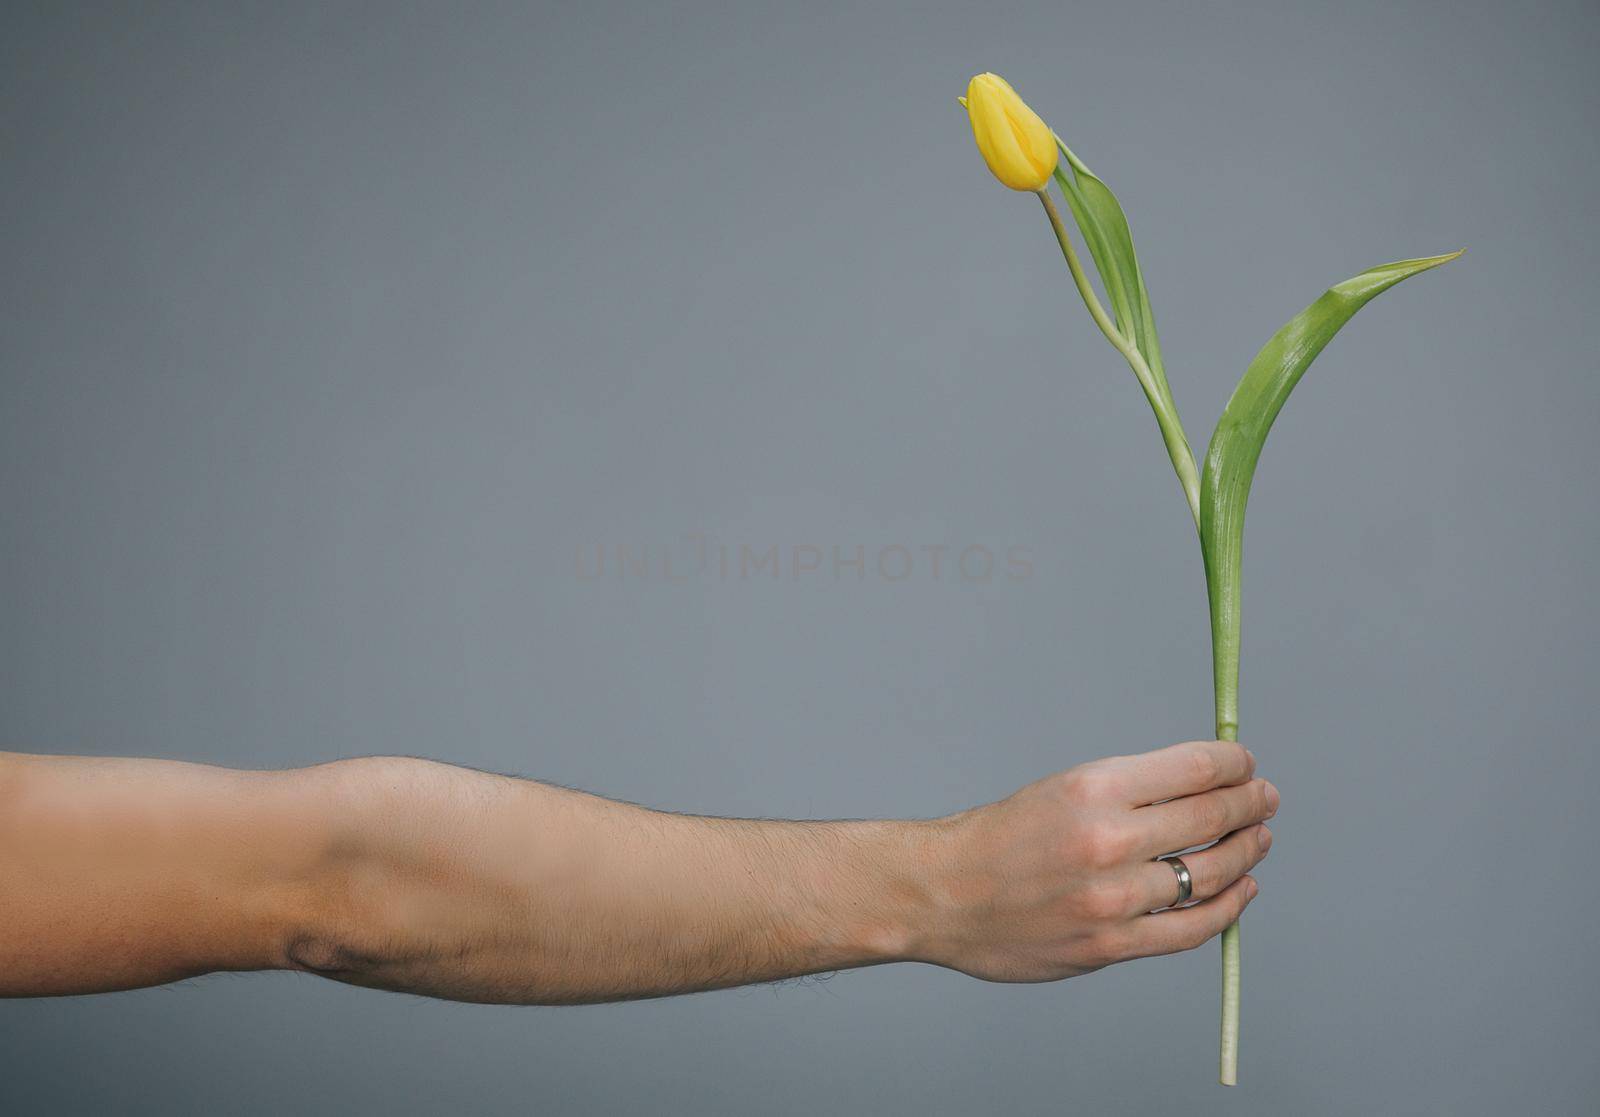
(1102,845)
(1259,799)
(1103,948)
(1205,767)
(1238,755)
(1210,876)
(1088,785)
(1107,900)
(1211,816)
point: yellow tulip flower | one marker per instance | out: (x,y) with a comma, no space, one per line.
(1019,147)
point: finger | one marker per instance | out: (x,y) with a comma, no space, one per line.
(1210,870)
(1198,820)
(1167,932)
(1186,769)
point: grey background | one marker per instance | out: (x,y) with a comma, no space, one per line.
(330,334)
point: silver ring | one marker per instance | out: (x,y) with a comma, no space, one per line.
(1185,881)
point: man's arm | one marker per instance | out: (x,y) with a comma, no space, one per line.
(411,875)
(122,873)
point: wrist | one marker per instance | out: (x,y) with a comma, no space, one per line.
(939,888)
(903,890)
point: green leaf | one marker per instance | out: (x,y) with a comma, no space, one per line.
(1104,225)
(1099,217)
(1230,462)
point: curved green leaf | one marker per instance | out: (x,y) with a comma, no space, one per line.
(1104,225)
(1230,462)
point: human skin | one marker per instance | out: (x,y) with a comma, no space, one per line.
(411,875)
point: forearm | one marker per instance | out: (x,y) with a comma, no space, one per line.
(458,884)
(411,875)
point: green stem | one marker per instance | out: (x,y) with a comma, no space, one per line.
(1222,543)
(1166,415)
(1228,1060)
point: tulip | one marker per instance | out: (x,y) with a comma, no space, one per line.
(1021,151)
(1019,147)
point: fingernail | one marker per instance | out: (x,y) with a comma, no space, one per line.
(1266,839)
(1251,888)
(1252,757)
(1272,799)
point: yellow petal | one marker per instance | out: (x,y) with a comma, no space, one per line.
(1014,142)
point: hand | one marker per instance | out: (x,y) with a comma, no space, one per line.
(1061,879)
